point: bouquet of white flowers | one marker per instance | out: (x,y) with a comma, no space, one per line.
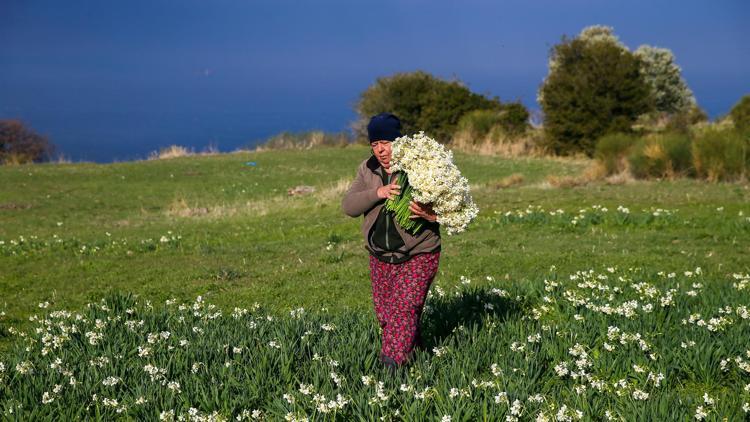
(429,176)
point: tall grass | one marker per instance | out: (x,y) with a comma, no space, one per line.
(721,154)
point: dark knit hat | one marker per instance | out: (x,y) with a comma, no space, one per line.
(384,127)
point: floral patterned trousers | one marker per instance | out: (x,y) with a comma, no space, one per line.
(398,293)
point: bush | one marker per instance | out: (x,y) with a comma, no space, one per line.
(514,119)
(19,144)
(422,102)
(741,114)
(478,123)
(663,155)
(594,87)
(499,126)
(721,154)
(611,151)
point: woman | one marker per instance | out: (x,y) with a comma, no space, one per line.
(402,265)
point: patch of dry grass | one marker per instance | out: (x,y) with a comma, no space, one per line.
(330,194)
(506,182)
(594,172)
(172,151)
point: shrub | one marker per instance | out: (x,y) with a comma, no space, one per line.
(741,114)
(422,102)
(477,124)
(19,144)
(611,151)
(594,87)
(662,155)
(510,122)
(721,154)
(514,119)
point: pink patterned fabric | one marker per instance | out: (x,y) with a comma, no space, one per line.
(398,293)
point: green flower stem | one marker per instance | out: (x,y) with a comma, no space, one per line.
(400,206)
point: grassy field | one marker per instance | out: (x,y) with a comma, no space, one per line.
(224,227)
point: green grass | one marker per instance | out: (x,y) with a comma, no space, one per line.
(75,233)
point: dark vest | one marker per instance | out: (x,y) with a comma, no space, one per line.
(384,234)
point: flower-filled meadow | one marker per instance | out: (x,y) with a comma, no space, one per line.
(597,344)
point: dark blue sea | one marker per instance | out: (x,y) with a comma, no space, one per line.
(107,136)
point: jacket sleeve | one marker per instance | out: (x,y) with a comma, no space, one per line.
(360,197)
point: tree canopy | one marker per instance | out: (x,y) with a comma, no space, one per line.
(422,102)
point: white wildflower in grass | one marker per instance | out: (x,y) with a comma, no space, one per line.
(174,386)
(337,379)
(562,369)
(502,397)
(47,398)
(708,399)
(167,415)
(428,175)
(537,398)
(94,337)
(141,401)
(516,408)
(25,367)
(275,344)
(746,407)
(306,389)
(640,395)
(111,381)
(446,418)
(700,413)
(655,378)
(439,351)
(495,369)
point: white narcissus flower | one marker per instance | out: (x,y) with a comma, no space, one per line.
(435,180)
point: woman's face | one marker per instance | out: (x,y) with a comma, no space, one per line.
(382,151)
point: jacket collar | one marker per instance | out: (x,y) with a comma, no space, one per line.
(373,164)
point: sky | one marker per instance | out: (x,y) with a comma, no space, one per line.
(108,80)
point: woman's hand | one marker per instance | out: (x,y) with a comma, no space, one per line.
(389,191)
(419,210)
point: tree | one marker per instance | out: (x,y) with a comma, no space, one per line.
(594,87)
(19,144)
(422,102)
(669,90)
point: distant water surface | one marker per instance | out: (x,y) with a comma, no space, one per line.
(108,136)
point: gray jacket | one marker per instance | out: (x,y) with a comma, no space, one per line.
(362,198)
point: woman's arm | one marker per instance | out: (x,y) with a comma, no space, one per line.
(360,197)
